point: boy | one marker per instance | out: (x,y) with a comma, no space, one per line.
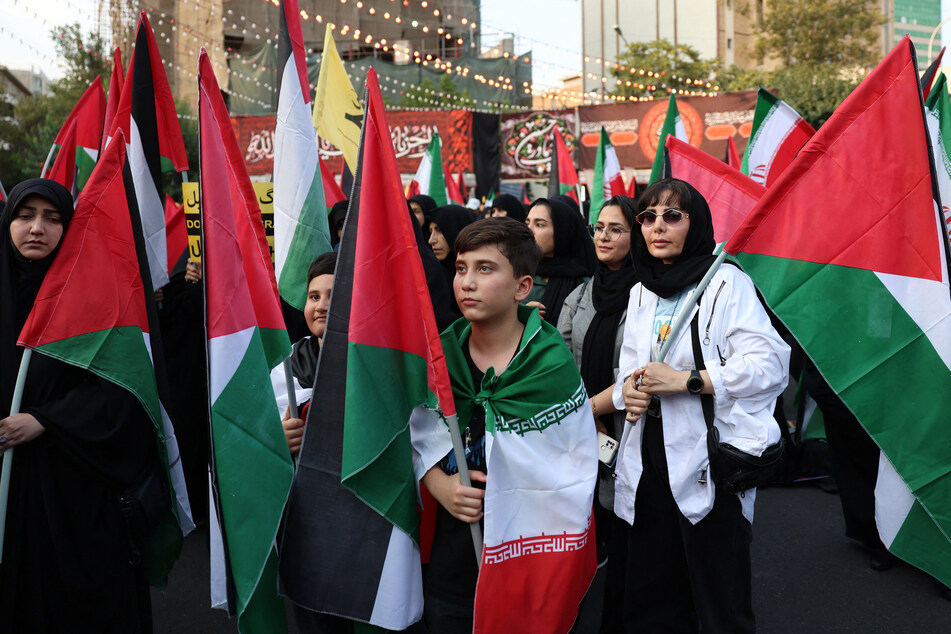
(525,418)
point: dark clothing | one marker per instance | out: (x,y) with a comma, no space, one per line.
(451,219)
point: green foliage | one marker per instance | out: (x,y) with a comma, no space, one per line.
(675,63)
(836,33)
(813,90)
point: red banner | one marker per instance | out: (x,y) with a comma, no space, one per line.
(527,141)
(411,132)
(635,126)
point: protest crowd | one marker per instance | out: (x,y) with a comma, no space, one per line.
(471,407)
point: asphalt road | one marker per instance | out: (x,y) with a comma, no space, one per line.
(807,577)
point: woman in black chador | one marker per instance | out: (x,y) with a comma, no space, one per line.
(71,560)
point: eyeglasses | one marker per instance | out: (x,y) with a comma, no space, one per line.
(671,217)
(610,233)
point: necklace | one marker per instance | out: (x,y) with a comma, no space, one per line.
(664,331)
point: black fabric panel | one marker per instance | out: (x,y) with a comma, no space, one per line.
(143,108)
(486,146)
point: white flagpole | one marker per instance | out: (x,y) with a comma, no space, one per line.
(46,163)
(8,454)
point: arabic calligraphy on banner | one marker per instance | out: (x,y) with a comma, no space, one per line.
(411,133)
(527,141)
(265,194)
(634,127)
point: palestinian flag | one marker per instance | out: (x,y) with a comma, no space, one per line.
(176,235)
(460,183)
(301,232)
(146,115)
(632,187)
(64,167)
(452,188)
(730,193)
(938,115)
(732,156)
(87,116)
(338,114)
(251,467)
(93,311)
(429,178)
(778,133)
(541,453)
(115,89)
(930,73)
(352,549)
(870,301)
(563,179)
(608,180)
(673,125)
(332,192)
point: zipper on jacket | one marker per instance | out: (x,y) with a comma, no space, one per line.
(706,332)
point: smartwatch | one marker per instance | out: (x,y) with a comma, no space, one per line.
(695,382)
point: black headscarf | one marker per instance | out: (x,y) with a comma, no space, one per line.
(512,206)
(338,213)
(573,258)
(441,297)
(693,262)
(20,278)
(451,219)
(609,294)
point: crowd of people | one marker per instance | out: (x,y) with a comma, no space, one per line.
(602,298)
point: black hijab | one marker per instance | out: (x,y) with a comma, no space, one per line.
(20,278)
(429,205)
(512,206)
(338,213)
(609,294)
(442,299)
(572,261)
(693,262)
(451,219)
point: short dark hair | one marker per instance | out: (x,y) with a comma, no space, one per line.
(323,265)
(513,238)
(665,192)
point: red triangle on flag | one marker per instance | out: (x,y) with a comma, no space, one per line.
(853,197)
(88,115)
(332,192)
(115,89)
(176,235)
(64,167)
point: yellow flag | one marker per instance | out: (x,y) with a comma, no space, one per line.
(338,114)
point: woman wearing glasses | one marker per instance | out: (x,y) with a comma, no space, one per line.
(684,543)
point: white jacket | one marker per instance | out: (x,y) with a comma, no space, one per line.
(745,387)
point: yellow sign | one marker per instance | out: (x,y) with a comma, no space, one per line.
(265,194)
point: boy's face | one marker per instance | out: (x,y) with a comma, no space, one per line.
(318,303)
(485,285)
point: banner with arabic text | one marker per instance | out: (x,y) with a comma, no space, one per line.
(527,141)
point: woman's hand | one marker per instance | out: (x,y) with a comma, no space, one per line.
(660,378)
(18,429)
(635,399)
(539,305)
(464,503)
(293,432)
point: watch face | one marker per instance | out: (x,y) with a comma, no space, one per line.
(695,384)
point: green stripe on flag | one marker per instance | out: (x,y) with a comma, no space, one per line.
(842,307)
(377,460)
(920,542)
(311,238)
(84,166)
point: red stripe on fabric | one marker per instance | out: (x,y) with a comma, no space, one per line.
(115,90)
(566,166)
(296,34)
(64,167)
(332,192)
(534,584)
(176,235)
(88,114)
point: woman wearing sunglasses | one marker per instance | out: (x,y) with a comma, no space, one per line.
(684,544)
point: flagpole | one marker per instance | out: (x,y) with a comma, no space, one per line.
(46,163)
(688,307)
(460,454)
(291,392)
(8,454)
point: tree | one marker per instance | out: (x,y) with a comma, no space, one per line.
(654,68)
(834,33)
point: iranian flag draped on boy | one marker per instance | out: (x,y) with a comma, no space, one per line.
(352,527)
(301,232)
(92,312)
(778,133)
(251,466)
(608,180)
(869,301)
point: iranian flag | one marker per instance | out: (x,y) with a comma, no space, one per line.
(938,116)
(848,249)
(673,126)
(93,311)
(87,115)
(608,180)
(116,80)
(251,467)
(301,232)
(146,115)
(777,135)
(64,167)
(429,178)
(730,193)
(563,179)
(351,534)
